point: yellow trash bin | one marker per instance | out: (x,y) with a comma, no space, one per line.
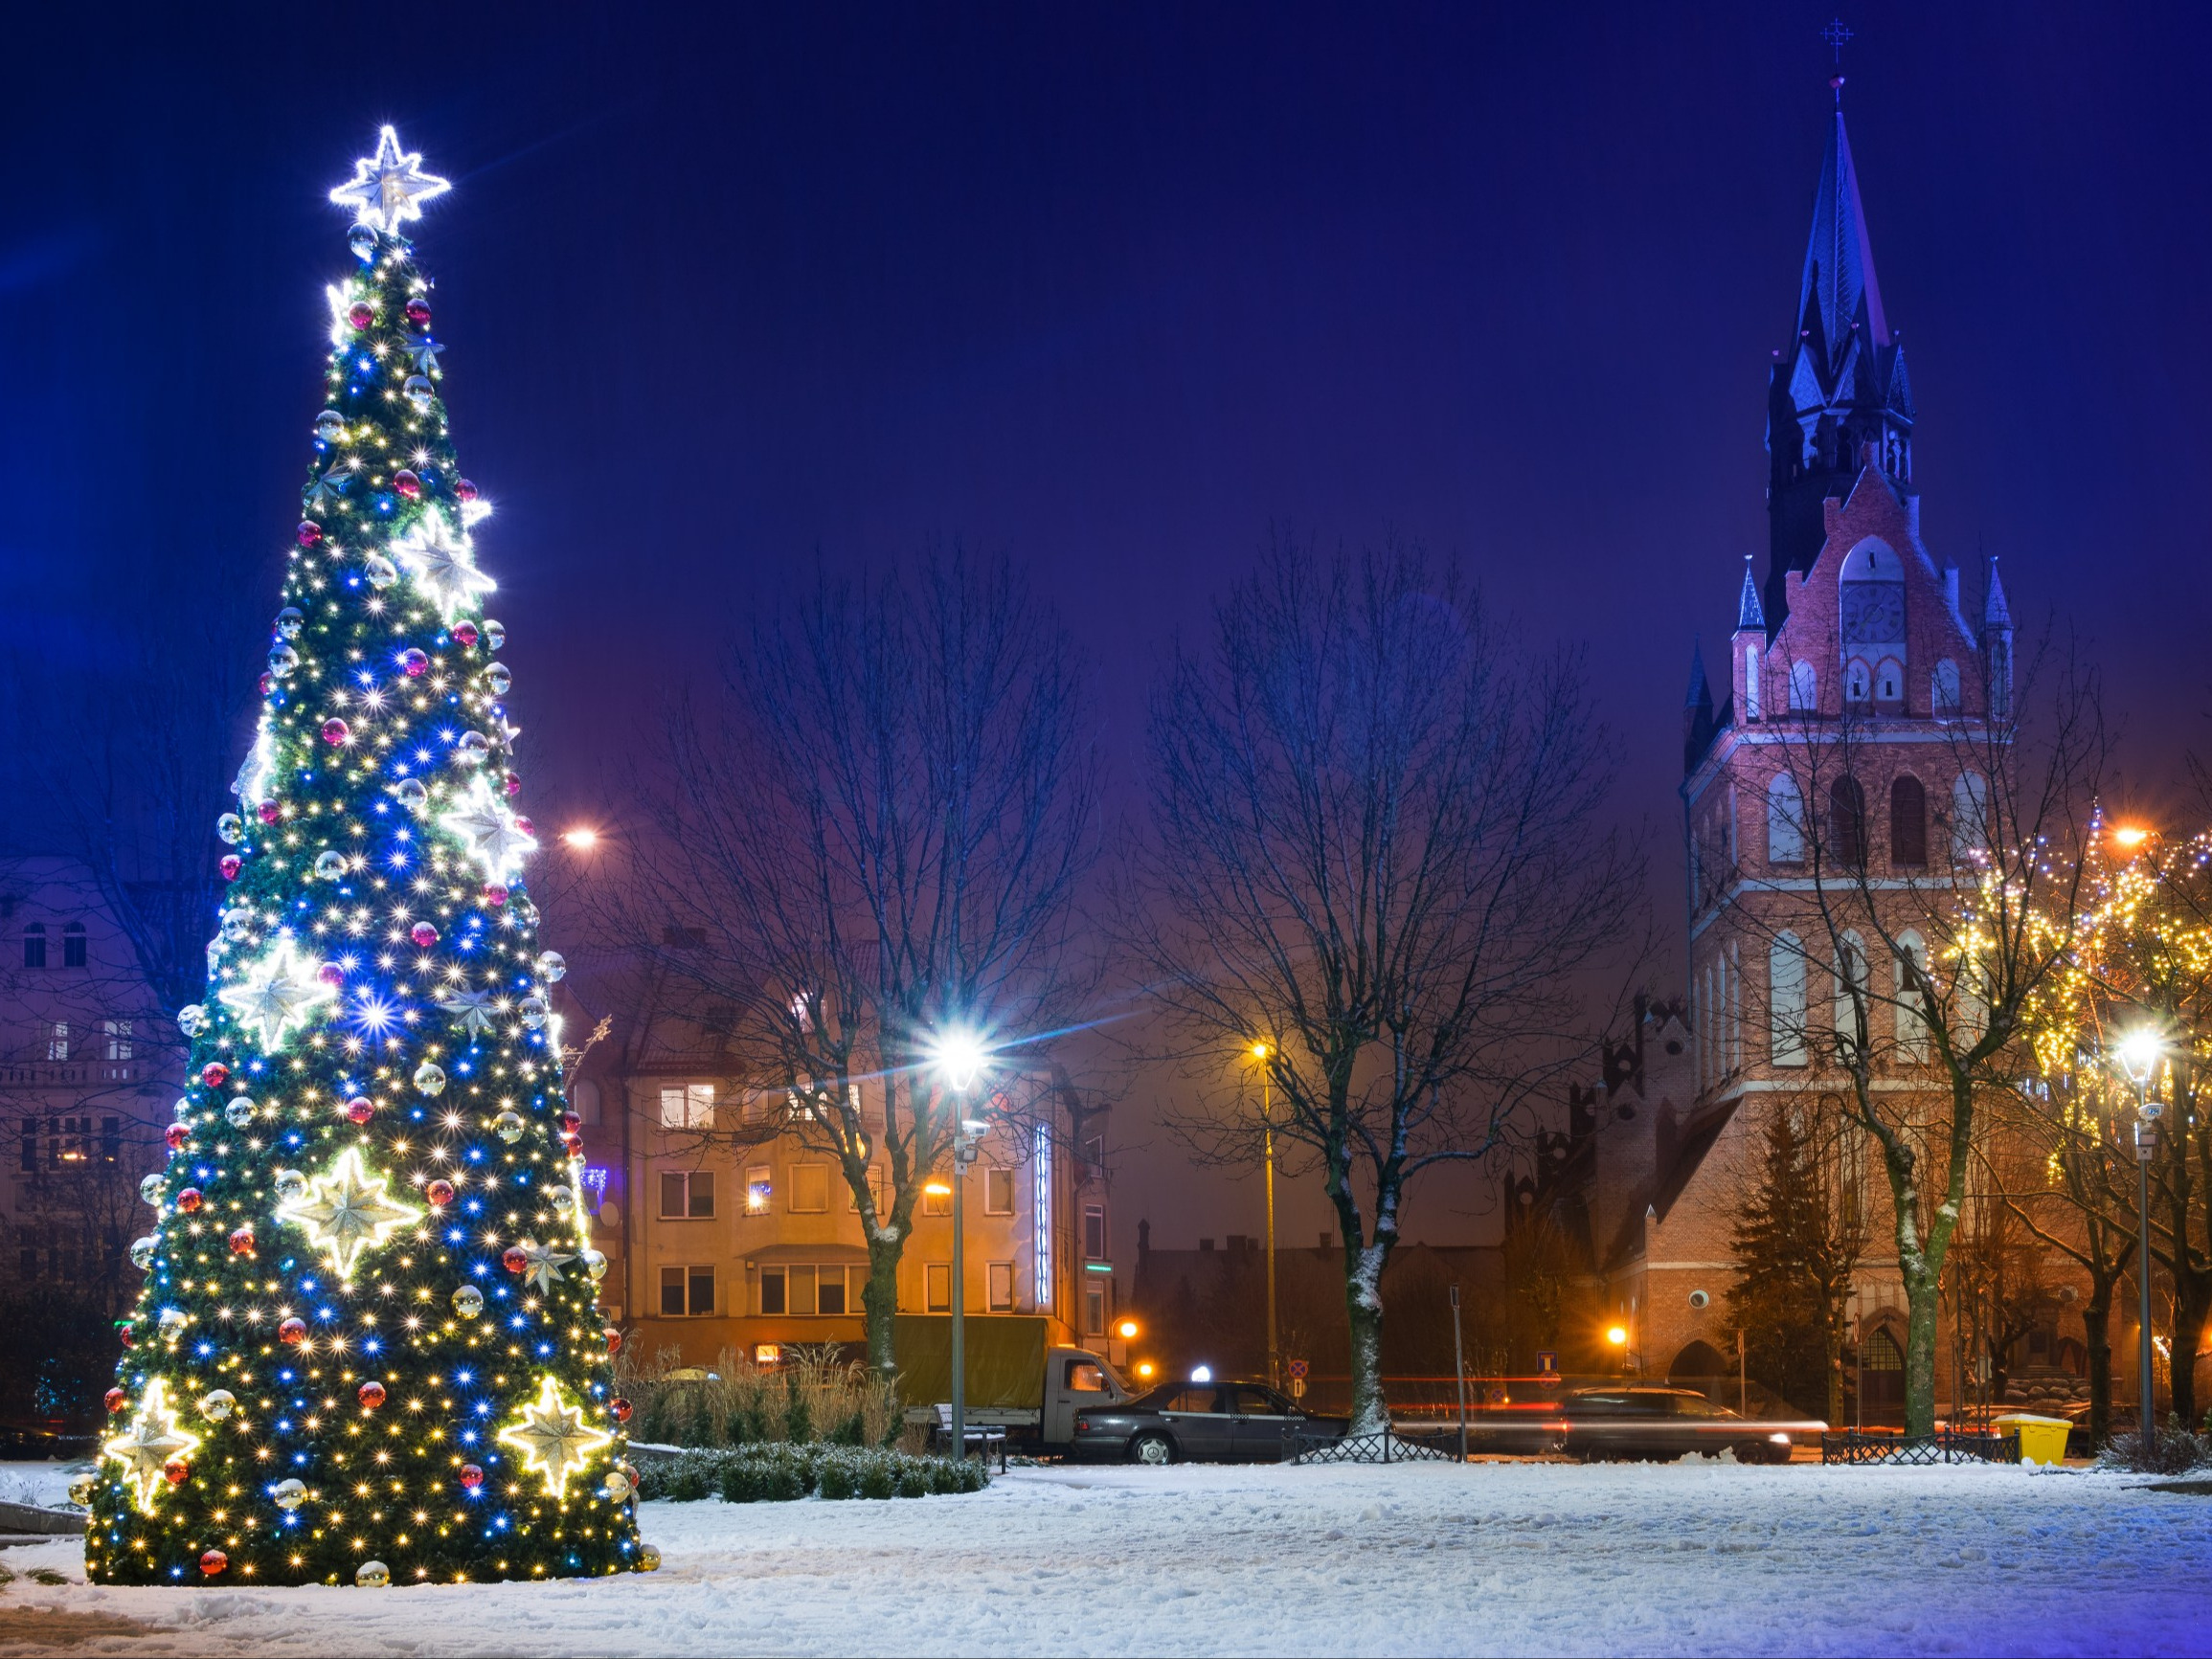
(2042,1439)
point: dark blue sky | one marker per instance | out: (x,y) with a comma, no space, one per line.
(1113,289)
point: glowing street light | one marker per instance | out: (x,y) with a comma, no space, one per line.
(582,839)
(2137,1056)
(1126,1329)
(1617,1335)
(2130,836)
(958,1056)
(1261,1052)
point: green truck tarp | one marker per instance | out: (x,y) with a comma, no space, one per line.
(1006,1360)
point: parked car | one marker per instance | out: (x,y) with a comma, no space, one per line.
(1198,1422)
(1665,1423)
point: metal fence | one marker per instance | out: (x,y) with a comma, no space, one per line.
(1946,1446)
(1384,1446)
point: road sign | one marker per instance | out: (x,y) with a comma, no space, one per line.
(1301,1369)
(1547,1362)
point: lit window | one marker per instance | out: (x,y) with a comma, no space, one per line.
(758,1190)
(118,1034)
(997,1191)
(57,1041)
(809,1189)
(1002,1279)
(1095,1232)
(689,1106)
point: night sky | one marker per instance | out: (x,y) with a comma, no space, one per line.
(1112,290)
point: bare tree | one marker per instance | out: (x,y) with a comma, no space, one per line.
(1903,980)
(1377,847)
(874,837)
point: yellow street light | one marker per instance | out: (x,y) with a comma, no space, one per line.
(582,839)
(1127,1329)
(2131,835)
(1145,1369)
(1260,1051)
(938,1189)
(1617,1335)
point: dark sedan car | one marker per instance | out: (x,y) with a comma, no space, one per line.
(1199,1422)
(1667,1423)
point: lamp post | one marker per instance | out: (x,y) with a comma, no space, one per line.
(2138,1056)
(1260,1052)
(959,1060)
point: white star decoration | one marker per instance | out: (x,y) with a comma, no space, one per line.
(279,991)
(544,1265)
(328,487)
(472,1008)
(151,1439)
(443,562)
(346,1211)
(553,1438)
(483,821)
(422,351)
(388,188)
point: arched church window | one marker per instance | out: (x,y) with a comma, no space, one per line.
(1804,687)
(1943,689)
(1750,682)
(1907,824)
(1785,821)
(1848,823)
(1851,991)
(1858,682)
(1889,681)
(1786,1001)
(1969,816)
(1912,978)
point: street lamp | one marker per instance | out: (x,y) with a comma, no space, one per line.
(960,1058)
(2138,1056)
(1261,1052)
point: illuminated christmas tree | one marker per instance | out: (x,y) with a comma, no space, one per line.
(369,1348)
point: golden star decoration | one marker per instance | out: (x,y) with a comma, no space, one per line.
(553,1438)
(345,1210)
(146,1447)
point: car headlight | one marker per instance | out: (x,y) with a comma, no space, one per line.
(1779,1439)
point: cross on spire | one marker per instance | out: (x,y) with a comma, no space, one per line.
(1835,34)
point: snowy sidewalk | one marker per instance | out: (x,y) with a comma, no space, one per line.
(1413,1558)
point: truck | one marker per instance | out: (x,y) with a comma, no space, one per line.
(1018,1378)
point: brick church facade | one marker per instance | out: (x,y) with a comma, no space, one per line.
(1856,624)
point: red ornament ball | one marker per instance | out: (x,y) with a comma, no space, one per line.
(622,1408)
(423,934)
(494,894)
(371,1395)
(360,1110)
(176,1135)
(213,1561)
(292,1331)
(416,660)
(266,684)
(465,488)
(614,1340)
(331,973)
(439,1192)
(570,1123)
(360,314)
(407,482)
(124,1334)
(176,1470)
(467,633)
(513,1260)
(214,1074)
(309,532)
(418,313)
(513,783)
(471,1477)
(190,1201)
(230,863)
(524,825)
(242,1241)
(116,1400)
(336,731)
(269,811)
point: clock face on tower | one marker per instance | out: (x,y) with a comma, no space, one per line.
(1873,613)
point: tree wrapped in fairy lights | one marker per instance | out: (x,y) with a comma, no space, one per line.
(369,1348)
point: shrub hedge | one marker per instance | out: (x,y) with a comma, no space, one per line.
(780,1470)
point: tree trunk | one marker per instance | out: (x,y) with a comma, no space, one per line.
(1364,1311)
(879,1303)
(2097,1337)
(1920,1311)
(2191,1307)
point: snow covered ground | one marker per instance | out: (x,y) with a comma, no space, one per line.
(1412,1558)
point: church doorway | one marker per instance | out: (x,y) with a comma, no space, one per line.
(1880,1371)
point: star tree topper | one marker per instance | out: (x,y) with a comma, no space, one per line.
(442,562)
(495,839)
(553,1438)
(279,991)
(346,1211)
(146,1447)
(389,188)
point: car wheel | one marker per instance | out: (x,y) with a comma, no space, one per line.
(1152,1448)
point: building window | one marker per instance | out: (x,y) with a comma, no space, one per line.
(110,1139)
(1095,1232)
(775,1296)
(997,1191)
(691,1106)
(760,1190)
(828,1291)
(1786,1001)
(879,1189)
(1002,1284)
(1043,1215)
(1907,824)
(1848,823)
(72,945)
(1969,816)
(935,1202)
(938,1286)
(31,1144)
(587,1101)
(1750,682)
(1889,681)
(57,1041)
(34,945)
(1943,689)
(1851,988)
(686,1195)
(1785,821)
(1804,687)
(1093,1311)
(118,1035)
(1858,683)
(687,1293)
(809,1189)
(1911,1012)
